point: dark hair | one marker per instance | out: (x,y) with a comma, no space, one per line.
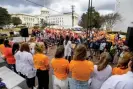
(104,61)
(59,52)
(15,48)
(1,40)
(131,65)
(80,53)
(6,43)
(45,44)
(25,47)
(67,39)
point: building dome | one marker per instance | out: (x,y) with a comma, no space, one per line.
(44,9)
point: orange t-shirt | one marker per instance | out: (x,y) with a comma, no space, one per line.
(81,70)
(2,48)
(9,56)
(41,61)
(60,67)
(119,71)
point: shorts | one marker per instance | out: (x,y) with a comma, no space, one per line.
(60,84)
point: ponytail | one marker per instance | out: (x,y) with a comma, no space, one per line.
(104,60)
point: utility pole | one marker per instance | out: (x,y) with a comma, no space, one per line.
(73,15)
(88,19)
(91,15)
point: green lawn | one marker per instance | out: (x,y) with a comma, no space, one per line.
(6,31)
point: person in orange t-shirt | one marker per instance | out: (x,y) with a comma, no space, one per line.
(2,46)
(7,54)
(122,67)
(41,63)
(80,68)
(61,69)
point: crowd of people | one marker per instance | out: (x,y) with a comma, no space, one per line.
(112,67)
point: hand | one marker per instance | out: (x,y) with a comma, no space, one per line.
(47,67)
(3,56)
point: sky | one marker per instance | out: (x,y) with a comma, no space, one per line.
(61,6)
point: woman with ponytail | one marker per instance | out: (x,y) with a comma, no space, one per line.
(124,81)
(102,71)
(122,66)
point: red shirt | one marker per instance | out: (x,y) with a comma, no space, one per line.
(9,56)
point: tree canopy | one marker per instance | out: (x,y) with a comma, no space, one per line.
(5,18)
(110,19)
(95,19)
(16,21)
(43,23)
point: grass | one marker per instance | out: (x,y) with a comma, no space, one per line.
(8,30)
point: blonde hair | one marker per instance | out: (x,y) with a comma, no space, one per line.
(32,39)
(80,53)
(39,47)
(123,62)
(104,61)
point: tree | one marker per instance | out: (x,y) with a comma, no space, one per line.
(95,19)
(43,23)
(83,21)
(110,19)
(16,21)
(5,18)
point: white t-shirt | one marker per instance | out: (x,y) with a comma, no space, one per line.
(102,46)
(99,77)
(124,81)
(24,64)
(68,48)
(18,61)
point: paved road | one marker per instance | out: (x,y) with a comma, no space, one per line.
(51,55)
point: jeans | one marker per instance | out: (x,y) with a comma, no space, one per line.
(75,84)
(60,84)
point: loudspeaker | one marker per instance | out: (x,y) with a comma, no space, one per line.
(11,33)
(129,37)
(1,41)
(24,32)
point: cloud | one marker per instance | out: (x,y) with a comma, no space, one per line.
(26,2)
(105,12)
(23,6)
(21,9)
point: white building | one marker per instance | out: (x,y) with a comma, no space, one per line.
(28,20)
(125,9)
(62,20)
